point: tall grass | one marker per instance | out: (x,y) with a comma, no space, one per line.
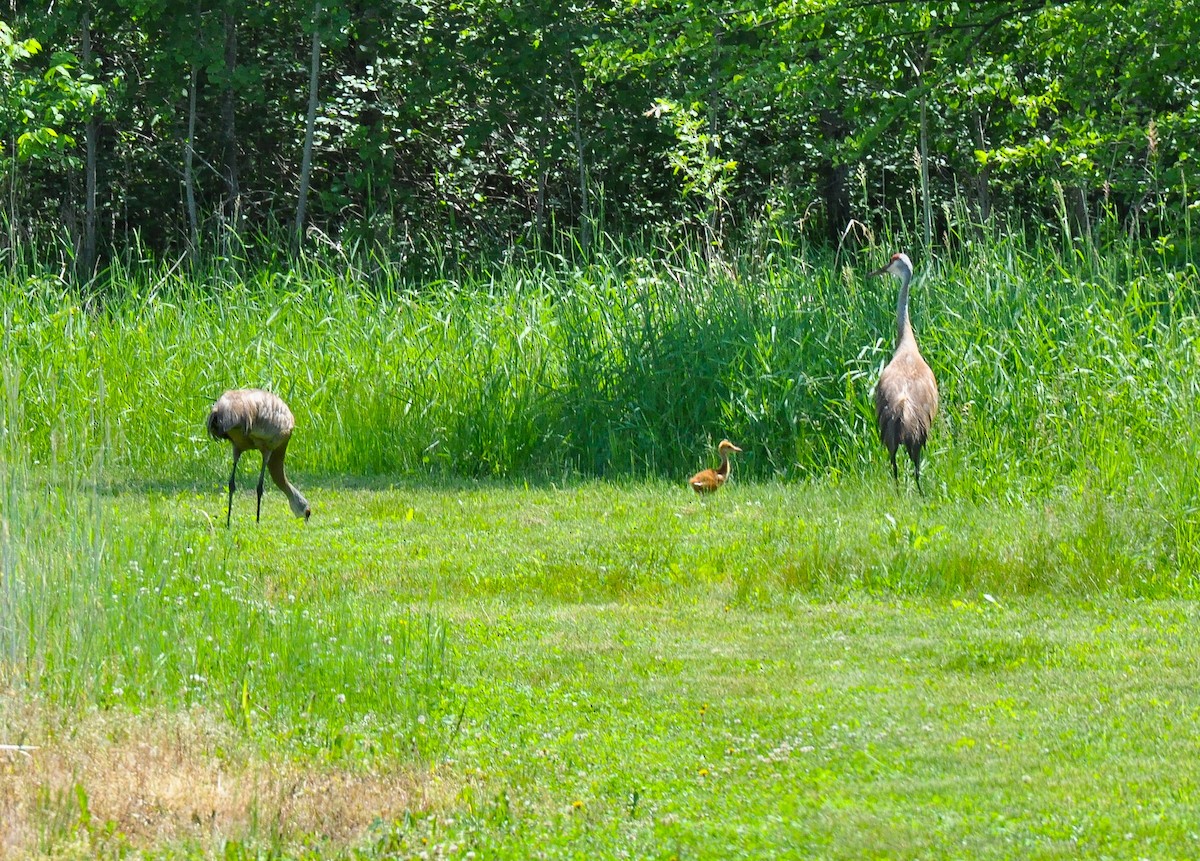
(1056,367)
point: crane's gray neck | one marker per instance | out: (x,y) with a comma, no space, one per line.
(296,500)
(903,327)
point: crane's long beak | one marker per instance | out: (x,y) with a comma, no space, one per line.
(882,271)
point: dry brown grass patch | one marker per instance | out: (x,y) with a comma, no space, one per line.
(179,778)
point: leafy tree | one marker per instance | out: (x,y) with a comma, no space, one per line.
(482,124)
(38,113)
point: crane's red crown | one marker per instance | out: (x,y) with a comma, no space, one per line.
(902,259)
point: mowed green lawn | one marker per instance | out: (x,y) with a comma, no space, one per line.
(827,670)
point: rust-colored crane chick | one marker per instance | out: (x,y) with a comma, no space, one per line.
(906,396)
(252,418)
(710,480)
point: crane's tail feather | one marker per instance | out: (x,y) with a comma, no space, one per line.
(902,422)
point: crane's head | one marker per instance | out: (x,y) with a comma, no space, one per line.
(726,446)
(899,265)
(300,507)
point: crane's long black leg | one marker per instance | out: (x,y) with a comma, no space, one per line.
(232,475)
(916,459)
(261,474)
(895,471)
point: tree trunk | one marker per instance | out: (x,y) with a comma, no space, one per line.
(362,55)
(926,206)
(926,203)
(309,124)
(713,225)
(539,207)
(87,256)
(832,177)
(233,192)
(1078,217)
(189,183)
(983,194)
(585,205)
(13,207)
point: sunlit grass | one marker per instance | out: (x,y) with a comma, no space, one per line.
(150,606)
(509,609)
(781,668)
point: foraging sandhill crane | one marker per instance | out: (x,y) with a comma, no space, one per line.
(252,418)
(710,480)
(906,396)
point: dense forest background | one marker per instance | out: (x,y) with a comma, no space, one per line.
(460,128)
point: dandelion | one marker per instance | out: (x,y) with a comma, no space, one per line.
(341,698)
(577,804)
(703,772)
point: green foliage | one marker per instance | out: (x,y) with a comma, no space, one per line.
(469,128)
(35,112)
(695,160)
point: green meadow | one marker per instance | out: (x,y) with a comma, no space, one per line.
(510,630)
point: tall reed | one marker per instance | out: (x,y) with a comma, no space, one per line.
(1054,368)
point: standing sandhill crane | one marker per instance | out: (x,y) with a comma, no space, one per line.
(710,480)
(252,418)
(906,396)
